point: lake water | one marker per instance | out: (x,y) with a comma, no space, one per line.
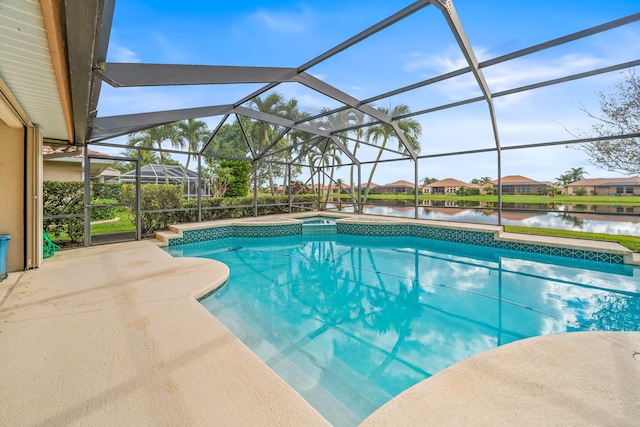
(589,218)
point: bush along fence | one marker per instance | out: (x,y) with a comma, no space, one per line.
(161,205)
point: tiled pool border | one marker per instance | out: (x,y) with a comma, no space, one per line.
(279,227)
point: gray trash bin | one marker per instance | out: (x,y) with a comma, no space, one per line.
(4,248)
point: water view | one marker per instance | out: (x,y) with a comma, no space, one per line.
(606,219)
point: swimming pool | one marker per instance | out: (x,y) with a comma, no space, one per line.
(351,322)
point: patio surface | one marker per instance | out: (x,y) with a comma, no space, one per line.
(113,335)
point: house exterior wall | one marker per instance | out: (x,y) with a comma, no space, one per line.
(12,214)
(609,190)
(449,190)
(61,171)
(383,189)
(523,188)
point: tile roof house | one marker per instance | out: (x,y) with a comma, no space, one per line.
(607,186)
(64,166)
(518,184)
(446,186)
(394,187)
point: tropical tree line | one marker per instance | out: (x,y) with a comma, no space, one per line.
(274,145)
(572,175)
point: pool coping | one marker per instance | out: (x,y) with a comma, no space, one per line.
(482,234)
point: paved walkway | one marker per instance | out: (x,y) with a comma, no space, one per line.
(113,335)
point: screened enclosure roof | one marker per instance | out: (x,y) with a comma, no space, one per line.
(157,173)
(331,69)
(335,126)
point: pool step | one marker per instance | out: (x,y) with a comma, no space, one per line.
(340,393)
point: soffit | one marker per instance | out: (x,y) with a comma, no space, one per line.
(26,66)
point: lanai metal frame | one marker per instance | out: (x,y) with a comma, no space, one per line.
(98,130)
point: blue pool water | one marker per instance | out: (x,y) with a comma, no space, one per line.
(352,321)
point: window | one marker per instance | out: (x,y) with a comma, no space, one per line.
(619,190)
(629,190)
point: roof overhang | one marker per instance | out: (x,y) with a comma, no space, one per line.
(47,51)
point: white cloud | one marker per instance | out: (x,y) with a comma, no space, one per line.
(123,54)
(500,77)
(282,22)
(170,51)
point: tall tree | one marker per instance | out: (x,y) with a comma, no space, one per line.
(577,174)
(154,138)
(263,133)
(238,182)
(331,122)
(147,157)
(293,138)
(572,175)
(357,118)
(189,135)
(619,115)
(426,180)
(384,132)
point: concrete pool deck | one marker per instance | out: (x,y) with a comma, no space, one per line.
(113,335)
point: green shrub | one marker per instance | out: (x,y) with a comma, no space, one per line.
(238,185)
(100,213)
(64,198)
(128,193)
(101,190)
(156,197)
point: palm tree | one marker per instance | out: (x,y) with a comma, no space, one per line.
(315,156)
(334,121)
(147,157)
(384,132)
(294,137)
(564,179)
(484,180)
(152,138)
(190,134)
(577,174)
(426,180)
(263,132)
(357,118)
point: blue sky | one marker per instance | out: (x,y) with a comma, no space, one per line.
(290,33)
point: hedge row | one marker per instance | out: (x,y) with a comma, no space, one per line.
(67,198)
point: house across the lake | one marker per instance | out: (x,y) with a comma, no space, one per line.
(605,187)
(446,186)
(518,184)
(394,188)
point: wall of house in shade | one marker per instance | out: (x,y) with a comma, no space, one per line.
(12,214)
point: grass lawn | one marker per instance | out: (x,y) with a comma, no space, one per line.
(629,242)
(124,223)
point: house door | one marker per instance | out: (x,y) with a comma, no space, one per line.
(112,208)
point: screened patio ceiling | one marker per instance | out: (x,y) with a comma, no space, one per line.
(341,120)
